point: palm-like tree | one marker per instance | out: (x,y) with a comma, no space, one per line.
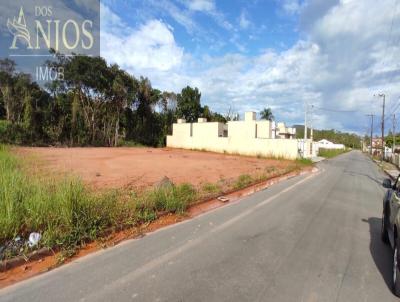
(266,114)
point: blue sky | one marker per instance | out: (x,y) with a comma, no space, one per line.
(247,55)
(216,28)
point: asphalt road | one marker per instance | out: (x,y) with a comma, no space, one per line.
(311,238)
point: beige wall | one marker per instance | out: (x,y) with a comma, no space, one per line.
(264,129)
(249,146)
(248,137)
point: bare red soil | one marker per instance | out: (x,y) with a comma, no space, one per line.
(142,167)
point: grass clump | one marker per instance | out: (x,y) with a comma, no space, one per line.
(211,188)
(173,199)
(304,161)
(243,181)
(329,153)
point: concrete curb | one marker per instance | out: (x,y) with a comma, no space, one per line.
(377,162)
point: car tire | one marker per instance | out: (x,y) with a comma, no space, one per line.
(384,232)
(396,271)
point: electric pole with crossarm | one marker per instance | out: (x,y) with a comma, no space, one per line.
(383,96)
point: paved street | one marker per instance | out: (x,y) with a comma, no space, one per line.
(311,238)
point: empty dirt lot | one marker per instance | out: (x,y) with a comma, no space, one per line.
(142,167)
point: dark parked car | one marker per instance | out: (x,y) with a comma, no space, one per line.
(391,227)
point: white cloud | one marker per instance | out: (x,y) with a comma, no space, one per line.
(347,52)
(291,6)
(182,17)
(150,47)
(244,22)
(208,7)
(201,5)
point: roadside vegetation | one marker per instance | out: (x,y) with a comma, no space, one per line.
(68,215)
(329,153)
(243,181)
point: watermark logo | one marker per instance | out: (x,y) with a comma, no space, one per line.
(31,31)
(19,30)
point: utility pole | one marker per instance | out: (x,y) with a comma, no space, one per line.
(383,124)
(305,129)
(311,124)
(383,96)
(372,129)
(394,133)
(305,121)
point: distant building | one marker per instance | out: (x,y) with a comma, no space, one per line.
(248,137)
(281,131)
(377,147)
(325,144)
(377,143)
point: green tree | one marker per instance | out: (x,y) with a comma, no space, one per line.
(94,104)
(188,104)
(122,93)
(7,70)
(266,114)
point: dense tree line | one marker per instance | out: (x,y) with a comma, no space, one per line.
(94,104)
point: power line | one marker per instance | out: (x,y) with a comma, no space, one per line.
(390,32)
(395,108)
(387,58)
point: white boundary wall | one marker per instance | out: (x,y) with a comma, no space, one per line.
(247,137)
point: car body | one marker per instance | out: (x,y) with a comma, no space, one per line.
(391,227)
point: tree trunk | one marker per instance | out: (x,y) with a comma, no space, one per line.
(116,131)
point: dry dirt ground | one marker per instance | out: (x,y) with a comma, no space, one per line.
(142,167)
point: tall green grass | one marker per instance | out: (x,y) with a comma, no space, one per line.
(174,199)
(66,213)
(63,211)
(243,181)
